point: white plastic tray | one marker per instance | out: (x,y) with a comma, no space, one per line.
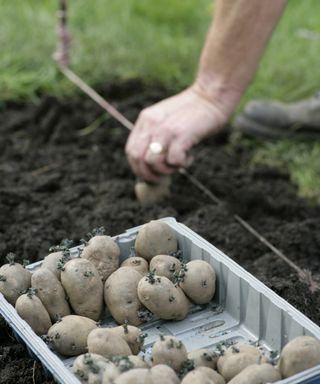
(243,309)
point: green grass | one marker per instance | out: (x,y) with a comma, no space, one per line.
(301,159)
(158,41)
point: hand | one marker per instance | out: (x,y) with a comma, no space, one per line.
(177,123)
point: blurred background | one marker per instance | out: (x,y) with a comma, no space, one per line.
(159,42)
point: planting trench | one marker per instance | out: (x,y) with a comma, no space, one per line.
(57,182)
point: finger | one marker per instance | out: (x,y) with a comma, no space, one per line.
(157,162)
(141,169)
(178,153)
(147,174)
(189,162)
(136,147)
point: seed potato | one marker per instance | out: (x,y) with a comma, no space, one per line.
(51,262)
(213,375)
(30,309)
(125,363)
(103,252)
(239,348)
(69,336)
(203,358)
(84,288)
(135,376)
(161,297)
(301,353)
(121,297)
(237,358)
(138,263)
(14,279)
(51,293)
(257,374)
(199,281)
(155,238)
(131,335)
(196,377)
(89,368)
(165,265)
(161,371)
(106,343)
(170,351)
(110,374)
(152,193)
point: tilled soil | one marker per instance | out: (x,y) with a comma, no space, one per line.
(58,181)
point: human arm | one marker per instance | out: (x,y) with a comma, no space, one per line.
(230,57)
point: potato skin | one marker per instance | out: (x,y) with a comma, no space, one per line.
(299,354)
(30,308)
(106,343)
(121,297)
(103,252)
(69,336)
(199,282)
(84,288)
(15,278)
(155,238)
(170,351)
(212,375)
(162,298)
(51,293)
(237,358)
(239,348)
(203,358)
(257,374)
(125,363)
(148,194)
(89,368)
(110,374)
(131,335)
(138,263)
(196,377)
(203,375)
(165,265)
(51,262)
(161,371)
(135,376)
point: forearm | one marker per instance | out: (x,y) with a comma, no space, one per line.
(234,46)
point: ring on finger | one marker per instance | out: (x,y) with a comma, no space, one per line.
(156,148)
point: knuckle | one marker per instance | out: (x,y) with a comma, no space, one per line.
(135,156)
(174,161)
(148,115)
(148,161)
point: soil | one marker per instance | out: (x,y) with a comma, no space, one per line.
(56,183)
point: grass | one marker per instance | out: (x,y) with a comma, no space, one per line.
(301,159)
(158,41)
